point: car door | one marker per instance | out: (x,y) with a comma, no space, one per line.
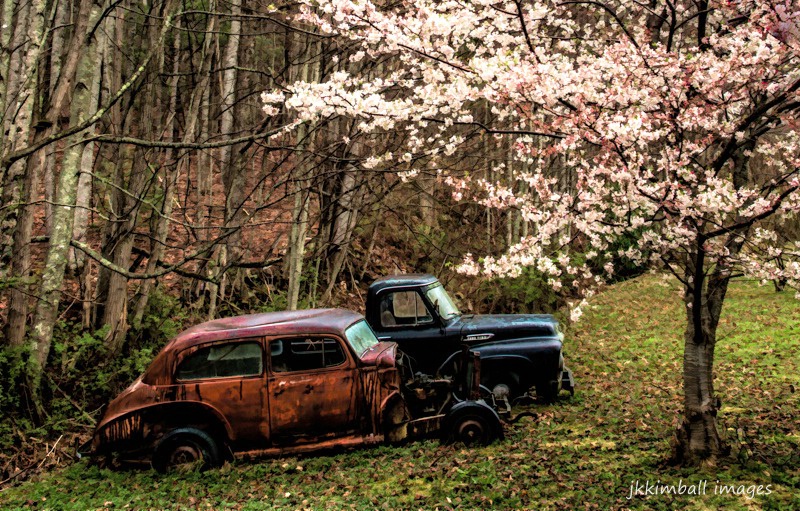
(311,389)
(228,376)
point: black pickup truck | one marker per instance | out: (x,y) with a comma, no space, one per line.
(517,351)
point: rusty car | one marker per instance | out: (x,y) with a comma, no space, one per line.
(283,383)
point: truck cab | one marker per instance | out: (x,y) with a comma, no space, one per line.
(517,351)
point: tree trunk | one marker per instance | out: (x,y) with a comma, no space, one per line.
(345,206)
(7,10)
(301,180)
(17,107)
(59,52)
(21,255)
(698,438)
(63,216)
(132,179)
(297,243)
(171,173)
(232,172)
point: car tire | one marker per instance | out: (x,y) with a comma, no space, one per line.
(185,449)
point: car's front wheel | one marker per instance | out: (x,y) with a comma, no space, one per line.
(185,449)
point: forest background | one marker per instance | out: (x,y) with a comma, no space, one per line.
(145,187)
(141,193)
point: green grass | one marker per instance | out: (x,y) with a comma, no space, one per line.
(580,453)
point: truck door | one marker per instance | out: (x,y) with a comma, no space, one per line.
(311,389)
(406,319)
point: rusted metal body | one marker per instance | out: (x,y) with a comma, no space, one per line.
(272,383)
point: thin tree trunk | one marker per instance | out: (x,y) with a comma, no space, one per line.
(301,184)
(346,206)
(17,107)
(7,9)
(84,191)
(129,198)
(171,174)
(21,255)
(297,240)
(59,50)
(232,171)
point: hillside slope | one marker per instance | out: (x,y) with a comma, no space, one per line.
(583,452)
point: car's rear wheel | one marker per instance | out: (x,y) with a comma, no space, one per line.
(186,449)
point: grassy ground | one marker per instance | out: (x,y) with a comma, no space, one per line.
(583,452)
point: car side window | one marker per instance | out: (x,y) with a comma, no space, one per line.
(305,354)
(222,361)
(404,308)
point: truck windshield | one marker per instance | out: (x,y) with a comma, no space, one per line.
(442,302)
(361,337)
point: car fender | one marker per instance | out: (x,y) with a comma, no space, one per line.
(136,425)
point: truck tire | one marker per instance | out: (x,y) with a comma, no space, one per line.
(548,391)
(472,423)
(185,448)
(503,384)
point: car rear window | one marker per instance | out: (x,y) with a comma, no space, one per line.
(222,361)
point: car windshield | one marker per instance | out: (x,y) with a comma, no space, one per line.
(361,337)
(442,302)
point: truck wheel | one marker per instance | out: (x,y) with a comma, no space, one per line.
(471,430)
(503,385)
(548,392)
(185,449)
(472,423)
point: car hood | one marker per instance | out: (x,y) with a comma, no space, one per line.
(497,327)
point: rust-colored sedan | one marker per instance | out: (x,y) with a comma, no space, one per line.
(278,383)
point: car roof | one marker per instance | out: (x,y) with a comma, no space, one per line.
(309,321)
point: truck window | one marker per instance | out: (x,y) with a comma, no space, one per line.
(404,308)
(442,302)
